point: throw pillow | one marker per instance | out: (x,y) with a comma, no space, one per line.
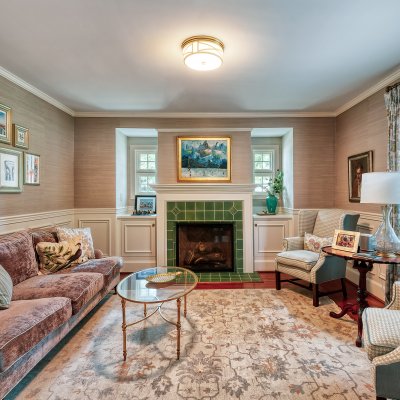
(57,256)
(316,243)
(73,233)
(6,287)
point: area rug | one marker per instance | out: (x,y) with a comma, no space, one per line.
(253,344)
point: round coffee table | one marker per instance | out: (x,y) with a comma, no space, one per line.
(138,288)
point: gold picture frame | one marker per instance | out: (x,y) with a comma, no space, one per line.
(204,159)
(10,170)
(346,240)
(5,124)
(21,136)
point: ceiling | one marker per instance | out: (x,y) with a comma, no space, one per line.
(124,55)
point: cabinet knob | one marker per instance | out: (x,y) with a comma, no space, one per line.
(255,225)
(153,225)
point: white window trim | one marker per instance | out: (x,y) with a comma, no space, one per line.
(133,149)
(276,160)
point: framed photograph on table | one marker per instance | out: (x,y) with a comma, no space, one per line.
(31,169)
(358,165)
(5,124)
(145,204)
(204,159)
(10,171)
(346,240)
(21,136)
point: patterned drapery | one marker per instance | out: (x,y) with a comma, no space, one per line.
(392,102)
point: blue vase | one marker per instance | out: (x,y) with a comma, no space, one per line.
(272,203)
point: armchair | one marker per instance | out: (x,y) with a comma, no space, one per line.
(312,267)
(381,339)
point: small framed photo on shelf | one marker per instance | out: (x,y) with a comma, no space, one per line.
(346,240)
(31,169)
(10,171)
(5,124)
(145,204)
(21,136)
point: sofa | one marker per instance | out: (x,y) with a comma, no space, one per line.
(44,308)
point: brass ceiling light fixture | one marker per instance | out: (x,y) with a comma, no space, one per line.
(202,53)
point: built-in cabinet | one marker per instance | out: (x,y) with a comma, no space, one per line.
(138,242)
(269,232)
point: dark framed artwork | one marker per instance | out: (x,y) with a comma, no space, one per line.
(358,165)
(145,204)
(204,159)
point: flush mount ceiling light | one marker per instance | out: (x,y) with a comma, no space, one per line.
(202,53)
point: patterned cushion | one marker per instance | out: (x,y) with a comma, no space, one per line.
(72,234)
(57,256)
(303,259)
(316,243)
(381,333)
(6,287)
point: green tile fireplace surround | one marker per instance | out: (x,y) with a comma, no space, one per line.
(208,211)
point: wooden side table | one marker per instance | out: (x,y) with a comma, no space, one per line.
(363,264)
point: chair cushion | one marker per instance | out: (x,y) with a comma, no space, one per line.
(6,288)
(79,288)
(26,322)
(109,267)
(17,256)
(303,259)
(381,333)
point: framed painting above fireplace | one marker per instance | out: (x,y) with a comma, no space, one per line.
(204,159)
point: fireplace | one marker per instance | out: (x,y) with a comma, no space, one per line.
(205,246)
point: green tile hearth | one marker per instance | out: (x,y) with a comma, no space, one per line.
(228,277)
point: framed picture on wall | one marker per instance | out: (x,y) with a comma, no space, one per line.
(204,159)
(21,136)
(10,171)
(358,165)
(5,124)
(31,169)
(145,204)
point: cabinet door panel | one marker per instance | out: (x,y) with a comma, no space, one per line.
(138,239)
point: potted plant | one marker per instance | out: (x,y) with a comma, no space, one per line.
(275,188)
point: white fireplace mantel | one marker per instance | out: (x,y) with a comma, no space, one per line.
(205,192)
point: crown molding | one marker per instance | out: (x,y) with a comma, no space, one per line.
(151,114)
(32,89)
(388,80)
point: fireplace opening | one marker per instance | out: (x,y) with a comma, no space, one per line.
(205,247)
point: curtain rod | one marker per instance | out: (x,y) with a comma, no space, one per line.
(389,88)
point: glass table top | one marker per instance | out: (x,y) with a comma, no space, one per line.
(138,289)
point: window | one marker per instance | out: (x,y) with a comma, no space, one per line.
(265,163)
(144,172)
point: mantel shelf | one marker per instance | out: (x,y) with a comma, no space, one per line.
(203,188)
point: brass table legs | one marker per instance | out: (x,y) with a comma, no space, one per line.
(145,316)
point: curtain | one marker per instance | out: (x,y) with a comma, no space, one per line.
(392,102)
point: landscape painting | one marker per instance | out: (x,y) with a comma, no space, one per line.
(204,159)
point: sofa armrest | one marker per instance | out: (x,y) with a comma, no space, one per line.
(98,253)
(395,302)
(293,243)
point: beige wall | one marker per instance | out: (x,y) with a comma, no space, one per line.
(360,129)
(52,137)
(314,171)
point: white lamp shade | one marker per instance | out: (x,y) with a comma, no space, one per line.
(380,188)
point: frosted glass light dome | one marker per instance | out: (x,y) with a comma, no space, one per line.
(203,53)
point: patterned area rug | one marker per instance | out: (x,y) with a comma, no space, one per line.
(253,344)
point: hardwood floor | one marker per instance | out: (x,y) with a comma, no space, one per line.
(268,282)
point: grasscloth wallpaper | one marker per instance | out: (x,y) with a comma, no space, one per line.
(52,137)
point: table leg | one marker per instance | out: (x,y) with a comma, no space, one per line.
(362,297)
(145,309)
(178,328)
(123,303)
(184,306)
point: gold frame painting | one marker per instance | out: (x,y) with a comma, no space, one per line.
(204,159)
(5,124)
(346,240)
(21,136)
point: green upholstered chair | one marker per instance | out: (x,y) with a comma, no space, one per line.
(381,339)
(314,268)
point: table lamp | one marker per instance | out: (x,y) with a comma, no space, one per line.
(383,188)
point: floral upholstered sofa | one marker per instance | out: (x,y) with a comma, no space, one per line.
(44,308)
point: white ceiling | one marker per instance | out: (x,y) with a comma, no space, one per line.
(124,55)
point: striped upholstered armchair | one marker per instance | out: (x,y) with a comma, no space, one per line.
(381,339)
(315,267)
